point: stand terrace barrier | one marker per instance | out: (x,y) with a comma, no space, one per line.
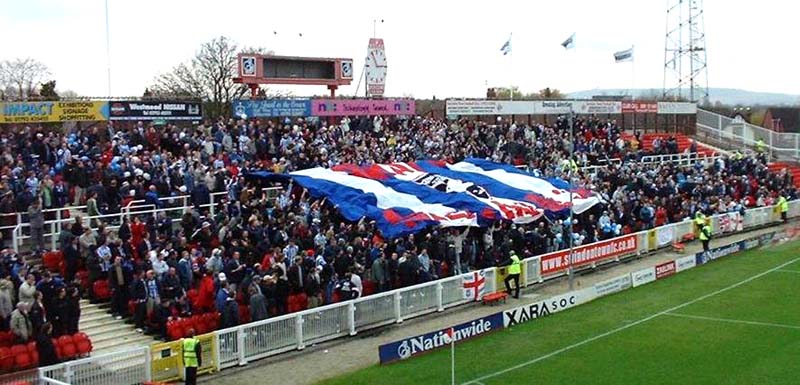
(731,134)
(53,227)
(241,344)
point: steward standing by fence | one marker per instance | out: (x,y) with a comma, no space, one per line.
(705,236)
(783,206)
(192,358)
(514,270)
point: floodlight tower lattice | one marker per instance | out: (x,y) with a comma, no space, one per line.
(685,58)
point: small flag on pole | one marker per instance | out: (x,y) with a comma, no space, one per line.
(506,48)
(570,42)
(625,55)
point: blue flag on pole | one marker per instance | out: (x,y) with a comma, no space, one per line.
(506,48)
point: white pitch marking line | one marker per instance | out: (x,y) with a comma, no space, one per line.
(788,271)
(737,321)
(621,328)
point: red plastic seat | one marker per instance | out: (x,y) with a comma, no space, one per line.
(6,359)
(244,314)
(302,302)
(22,359)
(369,288)
(68,348)
(83,277)
(101,290)
(51,260)
(34,353)
(174,330)
(82,343)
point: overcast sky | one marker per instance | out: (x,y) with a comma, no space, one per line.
(446,49)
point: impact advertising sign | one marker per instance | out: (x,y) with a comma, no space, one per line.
(271,108)
(412,346)
(156,110)
(46,112)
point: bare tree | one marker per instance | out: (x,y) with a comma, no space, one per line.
(20,77)
(208,76)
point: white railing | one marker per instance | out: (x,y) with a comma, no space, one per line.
(681,159)
(239,345)
(125,367)
(730,134)
(133,209)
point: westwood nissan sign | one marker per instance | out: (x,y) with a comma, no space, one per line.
(155,110)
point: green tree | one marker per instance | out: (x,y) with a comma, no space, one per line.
(207,76)
(48,91)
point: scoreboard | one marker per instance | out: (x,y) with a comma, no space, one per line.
(267,69)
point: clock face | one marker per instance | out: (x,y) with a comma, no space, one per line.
(378,75)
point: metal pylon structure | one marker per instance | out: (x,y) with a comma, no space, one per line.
(685,69)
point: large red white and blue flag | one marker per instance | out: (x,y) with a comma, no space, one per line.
(404,198)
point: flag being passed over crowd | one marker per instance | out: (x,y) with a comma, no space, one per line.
(404,198)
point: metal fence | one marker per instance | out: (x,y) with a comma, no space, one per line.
(239,345)
(731,134)
(173,206)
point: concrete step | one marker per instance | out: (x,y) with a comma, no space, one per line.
(111,328)
(121,342)
(89,311)
(98,322)
(128,338)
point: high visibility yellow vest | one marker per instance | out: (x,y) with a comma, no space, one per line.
(760,145)
(189,355)
(783,204)
(705,232)
(515,267)
(700,219)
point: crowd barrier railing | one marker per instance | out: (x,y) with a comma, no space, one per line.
(242,344)
(20,231)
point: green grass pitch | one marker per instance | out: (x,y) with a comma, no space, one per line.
(714,324)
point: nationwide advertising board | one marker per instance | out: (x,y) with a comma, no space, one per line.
(47,112)
(583,255)
(271,108)
(718,252)
(362,107)
(412,346)
(156,110)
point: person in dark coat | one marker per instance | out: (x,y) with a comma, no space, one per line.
(258,305)
(230,317)
(73,309)
(71,258)
(60,316)
(37,313)
(44,344)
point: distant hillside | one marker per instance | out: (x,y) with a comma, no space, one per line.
(728,96)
